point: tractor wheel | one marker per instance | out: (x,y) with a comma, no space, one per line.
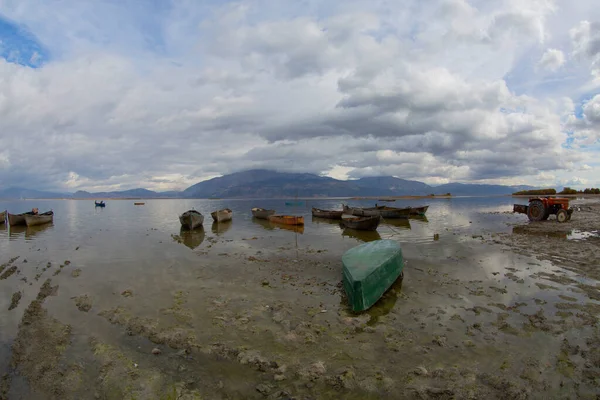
(536,210)
(562,216)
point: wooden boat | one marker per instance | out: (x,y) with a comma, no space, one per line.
(382,211)
(2,217)
(191,219)
(138,204)
(261,213)
(18,219)
(390,200)
(369,270)
(294,203)
(222,215)
(39,219)
(287,219)
(331,214)
(361,223)
(99,204)
(421,210)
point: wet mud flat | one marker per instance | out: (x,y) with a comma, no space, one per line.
(475,317)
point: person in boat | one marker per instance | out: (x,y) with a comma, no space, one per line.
(35,211)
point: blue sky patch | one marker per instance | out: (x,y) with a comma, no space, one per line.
(19,46)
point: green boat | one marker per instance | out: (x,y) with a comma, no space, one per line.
(370,270)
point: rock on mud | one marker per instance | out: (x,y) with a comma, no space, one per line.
(83,303)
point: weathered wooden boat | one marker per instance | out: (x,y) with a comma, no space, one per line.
(369,270)
(382,211)
(191,219)
(138,204)
(331,214)
(287,219)
(262,213)
(389,200)
(18,219)
(99,203)
(294,203)
(418,210)
(39,219)
(223,215)
(361,223)
(2,217)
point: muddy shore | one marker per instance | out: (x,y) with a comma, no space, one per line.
(495,316)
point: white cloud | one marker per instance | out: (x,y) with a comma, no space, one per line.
(552,60)
(162,97)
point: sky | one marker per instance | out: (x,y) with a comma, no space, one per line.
(114,95)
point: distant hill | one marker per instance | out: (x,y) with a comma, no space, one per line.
(260,183)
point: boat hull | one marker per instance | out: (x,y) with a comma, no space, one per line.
(17,219)
(381,211)
(40,219)
(369,270)
(191,219)
(419,210)
(287,219)
(261,213)
(223,215)
(361,223)
(101,204)
(2,217)
(330,214)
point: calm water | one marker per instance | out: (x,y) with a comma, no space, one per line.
(123,229)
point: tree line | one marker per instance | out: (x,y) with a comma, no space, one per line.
(547,192)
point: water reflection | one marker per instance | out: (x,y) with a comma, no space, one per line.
(29,231)
(294,228)
(264,223)
(191,238)
(361,236)
(421,218)
(317,220)
(218,228)
(398,223)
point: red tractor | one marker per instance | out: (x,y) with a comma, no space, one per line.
(540,208)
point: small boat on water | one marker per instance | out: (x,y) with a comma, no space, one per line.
(293,228)
(361,223)
(18,219)
(369,270)
(99,203)
(2,217)
(191,219)
(418,210)
(294,203)
(39,219)
(287,219)
(331,214)
(138,204)
(382,211)
(262,213)
(389,200)
(222,215)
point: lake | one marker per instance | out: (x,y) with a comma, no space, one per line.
(119,302)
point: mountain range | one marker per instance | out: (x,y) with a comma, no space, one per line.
(261,183)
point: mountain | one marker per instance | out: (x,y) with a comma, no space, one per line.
(268,184)
(261,183)
(126,194)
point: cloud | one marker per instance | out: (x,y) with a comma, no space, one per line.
(552,60)
(166,94)
(585,38)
